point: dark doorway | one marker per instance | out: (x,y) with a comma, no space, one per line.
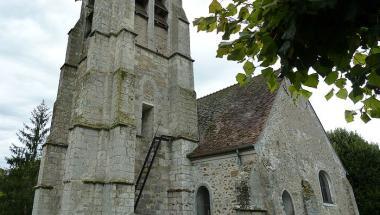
(203,201)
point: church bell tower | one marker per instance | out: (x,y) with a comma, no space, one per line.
(127,79)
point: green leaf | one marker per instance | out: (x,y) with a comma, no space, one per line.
(223,49)
(365,118)
(342,94)
(293,91)
(269,50)
(375,113)
(312,80)
(374,79)
(372,103)
(322,70)
(359,58)
(249,68)
(329,95)
(375,50)
(307,94)
(215,7)
(349,115)
(241,78)
(244,13)
(373,61)
(271,79)
(341,83)
(232,10)
(331,78)
(237,54)
(356,96)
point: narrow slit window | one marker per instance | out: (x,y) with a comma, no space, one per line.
(147,121)
(91,3)
(161,14)
(89,20)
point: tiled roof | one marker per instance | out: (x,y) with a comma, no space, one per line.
(232,118)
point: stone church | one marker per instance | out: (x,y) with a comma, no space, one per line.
(128,135)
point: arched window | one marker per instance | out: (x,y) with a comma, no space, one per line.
(324,181)
(288,203)
(203,201)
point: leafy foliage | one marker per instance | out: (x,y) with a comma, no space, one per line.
(362,161)
(335,41)
(16,187)
(16,183)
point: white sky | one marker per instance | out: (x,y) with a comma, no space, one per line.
(33,46)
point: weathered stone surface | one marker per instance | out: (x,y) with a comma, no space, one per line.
(128,76)
(117,62)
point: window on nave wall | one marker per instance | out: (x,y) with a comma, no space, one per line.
(325,187)
(160,13)
(288,203)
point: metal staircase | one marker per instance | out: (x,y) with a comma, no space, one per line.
(148,163)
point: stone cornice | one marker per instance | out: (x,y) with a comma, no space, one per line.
(68,65)
(43,187)
(248,147)
(253,209)
(181,55)
(100,127)
(60,145)
(180,190)
(164,56)
(112,182)
(185,138)
(114,34)
(83,59)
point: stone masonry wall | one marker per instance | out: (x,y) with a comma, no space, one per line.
(294,149)
(227,180)
(121,65)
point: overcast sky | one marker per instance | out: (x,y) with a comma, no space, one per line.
(32,49)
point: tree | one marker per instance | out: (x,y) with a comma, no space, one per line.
(17,182)
(362,162)
(2,174)
(332,40)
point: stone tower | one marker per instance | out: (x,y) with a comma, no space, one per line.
(127,76)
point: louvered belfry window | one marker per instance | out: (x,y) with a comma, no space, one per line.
(89,17)
(160,13)
(140,6)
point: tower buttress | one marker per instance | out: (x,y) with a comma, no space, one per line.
(127,75)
